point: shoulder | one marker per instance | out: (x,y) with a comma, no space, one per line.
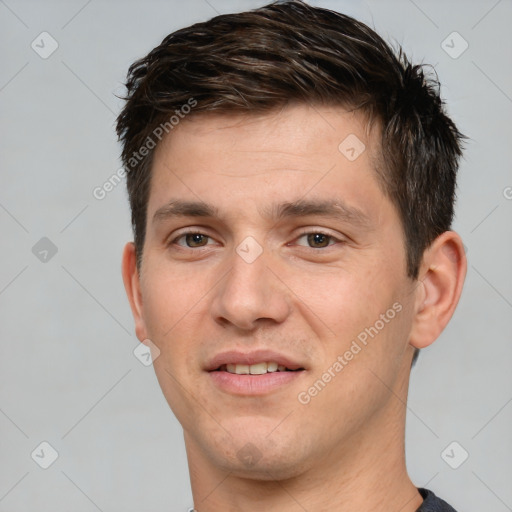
(431,503)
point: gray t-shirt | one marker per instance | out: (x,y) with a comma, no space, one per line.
(431,503)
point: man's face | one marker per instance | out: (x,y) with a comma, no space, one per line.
(275,275)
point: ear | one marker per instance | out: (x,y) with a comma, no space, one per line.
(131,281)
(440,282)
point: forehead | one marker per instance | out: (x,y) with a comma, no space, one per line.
(302,129)
(286,151)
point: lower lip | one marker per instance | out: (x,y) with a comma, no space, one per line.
(252,385)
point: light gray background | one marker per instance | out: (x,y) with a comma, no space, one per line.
(68,374)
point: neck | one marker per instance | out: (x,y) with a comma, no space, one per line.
(367,473)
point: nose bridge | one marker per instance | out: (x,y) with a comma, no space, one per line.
(250,290)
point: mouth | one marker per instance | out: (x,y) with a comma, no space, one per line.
(255,362)
(255,373)
(255,369)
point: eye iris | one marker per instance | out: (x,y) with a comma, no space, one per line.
(318,240)
(195,239)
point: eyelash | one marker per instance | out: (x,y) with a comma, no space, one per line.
(300,235)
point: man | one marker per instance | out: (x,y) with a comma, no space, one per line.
(291,182)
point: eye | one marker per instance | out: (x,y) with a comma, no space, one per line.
(191,240)
(318,240)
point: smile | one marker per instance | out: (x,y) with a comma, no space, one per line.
(255,369)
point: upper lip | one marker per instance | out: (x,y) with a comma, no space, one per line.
(252,357)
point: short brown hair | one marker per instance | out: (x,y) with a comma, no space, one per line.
(260,60)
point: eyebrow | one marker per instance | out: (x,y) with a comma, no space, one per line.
(300,208)
(327,208)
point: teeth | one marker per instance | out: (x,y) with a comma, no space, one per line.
(258,369)
(271,367)
(255,369)
(242,369)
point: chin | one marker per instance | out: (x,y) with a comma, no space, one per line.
(258,456)
(268,468)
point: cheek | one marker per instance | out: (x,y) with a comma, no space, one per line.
(344,299)
(168,298)
(359,369)
(361,316)
(176,309)
(171,309)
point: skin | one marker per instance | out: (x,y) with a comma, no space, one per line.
(344,449)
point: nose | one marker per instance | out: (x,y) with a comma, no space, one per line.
(251,294)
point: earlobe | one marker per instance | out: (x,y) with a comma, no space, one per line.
(131,281)
(441,280)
